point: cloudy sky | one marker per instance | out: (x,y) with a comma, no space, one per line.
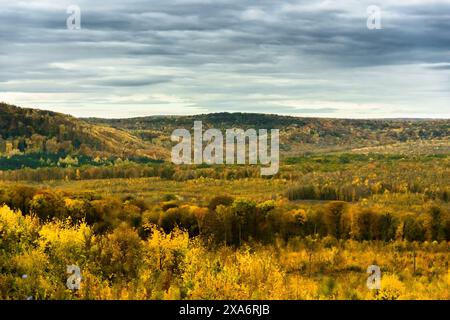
(298,57)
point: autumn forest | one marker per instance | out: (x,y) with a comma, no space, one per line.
(104,196)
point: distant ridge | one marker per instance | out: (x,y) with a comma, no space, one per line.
(25,131)
(299,135)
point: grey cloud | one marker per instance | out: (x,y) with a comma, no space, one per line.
(216,53)
(123,82)
(440,67)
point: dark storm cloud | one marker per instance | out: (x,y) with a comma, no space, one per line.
(211,55)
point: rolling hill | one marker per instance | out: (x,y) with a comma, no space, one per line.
(32,132)
(37,138)
(299,135)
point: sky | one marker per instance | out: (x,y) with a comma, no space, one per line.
(314,58)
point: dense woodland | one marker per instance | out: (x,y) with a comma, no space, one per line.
(368,192)
(232,221)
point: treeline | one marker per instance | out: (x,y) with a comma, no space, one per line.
(355,193)
(129,169)
(232,221)
(41,160)
(353,180)
(373,172)
(102,170)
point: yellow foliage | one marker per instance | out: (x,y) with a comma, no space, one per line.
(64,242)
(391,288)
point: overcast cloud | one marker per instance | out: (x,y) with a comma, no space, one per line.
(305,58)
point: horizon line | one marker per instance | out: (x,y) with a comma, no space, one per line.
(404,118)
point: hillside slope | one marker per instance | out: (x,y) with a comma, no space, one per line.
(298,135)
(32,131)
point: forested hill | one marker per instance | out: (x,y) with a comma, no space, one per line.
(437,127)
(37,132)
(35,138)
(298,135)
